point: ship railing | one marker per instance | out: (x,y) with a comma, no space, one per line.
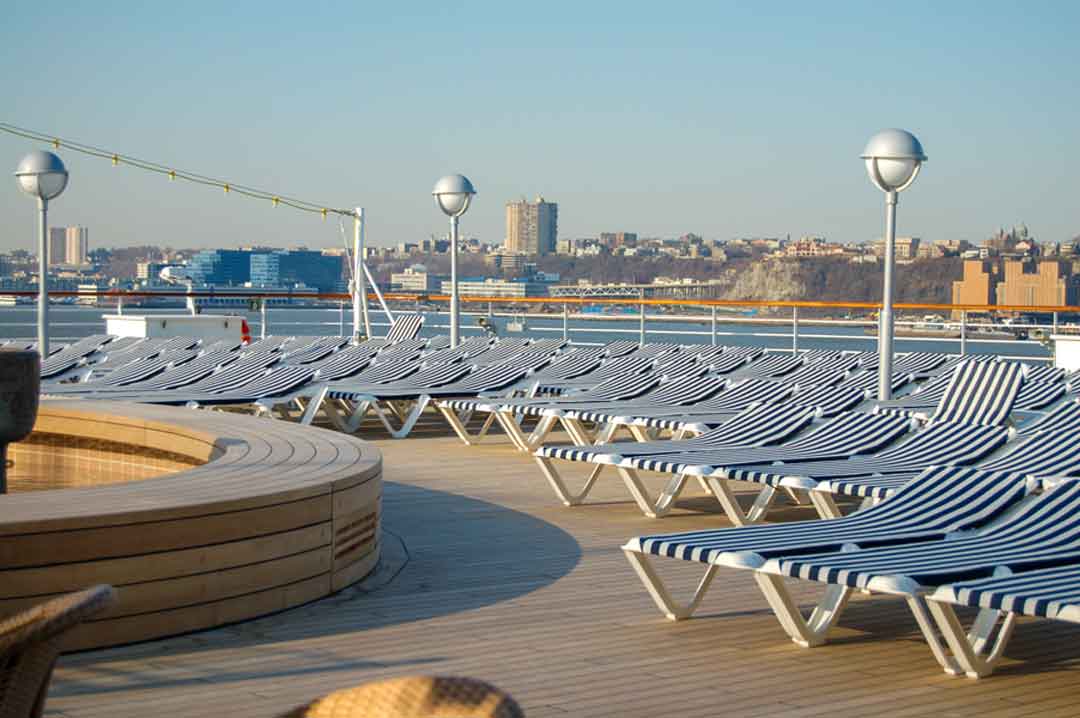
(789,325)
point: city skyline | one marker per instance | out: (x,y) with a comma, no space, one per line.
(715,120)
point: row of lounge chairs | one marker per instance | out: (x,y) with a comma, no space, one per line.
(991,524)
(1002,537)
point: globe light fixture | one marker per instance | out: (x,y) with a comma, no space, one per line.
(893,159)
(453,194)
(42,175)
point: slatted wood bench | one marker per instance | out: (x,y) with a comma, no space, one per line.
(275,515)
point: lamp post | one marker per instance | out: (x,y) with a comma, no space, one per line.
(893,159)
(41,174)
(453,193)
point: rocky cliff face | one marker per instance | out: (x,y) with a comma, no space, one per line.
(770,281)
(837,281)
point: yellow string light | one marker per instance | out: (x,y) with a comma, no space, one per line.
(229,188)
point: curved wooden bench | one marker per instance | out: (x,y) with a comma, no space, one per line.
(278,515)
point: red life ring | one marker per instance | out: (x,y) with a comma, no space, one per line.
(245,332)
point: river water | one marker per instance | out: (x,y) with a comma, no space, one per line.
(70,322)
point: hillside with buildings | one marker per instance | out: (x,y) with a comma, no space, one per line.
(533,260)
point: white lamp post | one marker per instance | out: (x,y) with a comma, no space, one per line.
(41,174)
(893,159)
(453,193)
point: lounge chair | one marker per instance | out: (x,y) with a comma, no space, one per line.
(72,355)
(964,428)
(165,371)
(739,395)
(1051,593)
(918,363)
(406,401)
(1039,454)
(1037,395)
(678,391)
(757,426)
(943,443)
(277,381)
(404,327)
(511,411)
(939,502)
(227,376)
(844,435)
(867,381)
(1043,532)
(770,366)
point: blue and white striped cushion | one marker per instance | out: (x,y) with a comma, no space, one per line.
(937,445)
(405,326)
(847,434)
(1044,531)
(981,393)
(1064,417)
(939,500)
(1048,593)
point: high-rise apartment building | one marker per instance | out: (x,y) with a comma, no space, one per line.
(77,245)
(57,245)
(532,227)
(68,245)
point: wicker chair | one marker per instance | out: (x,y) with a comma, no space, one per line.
(414,697)
(29,645)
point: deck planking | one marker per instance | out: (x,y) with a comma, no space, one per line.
(485,574)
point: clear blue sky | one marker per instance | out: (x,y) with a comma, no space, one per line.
(725,119)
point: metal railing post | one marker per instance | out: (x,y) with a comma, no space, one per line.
(1055,328)
(641,340)
(341,319)
(262,318)
(714,326)
(565,323)
(120,306)
(794,330)
(963,333)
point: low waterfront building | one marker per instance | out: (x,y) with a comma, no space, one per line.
(505,288)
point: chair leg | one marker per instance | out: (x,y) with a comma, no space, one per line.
(524,443)
(806,632)
(663,503)
(825,505)
(565,495)
(794,495)
(540,432)
(457,423)
(672,609)
(577,431)
(721,489)
(969,656)
(409,418)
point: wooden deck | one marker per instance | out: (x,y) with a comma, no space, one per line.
(485,574)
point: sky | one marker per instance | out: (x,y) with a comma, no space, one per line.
(720,118)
